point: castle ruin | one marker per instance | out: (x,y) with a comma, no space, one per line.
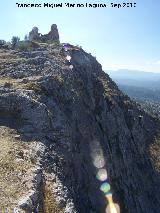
(53,35)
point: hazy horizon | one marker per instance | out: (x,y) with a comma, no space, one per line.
(120,70)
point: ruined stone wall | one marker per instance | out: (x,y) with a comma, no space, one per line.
(53,35)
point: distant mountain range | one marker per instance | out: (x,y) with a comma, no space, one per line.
(138,84)
(136,78)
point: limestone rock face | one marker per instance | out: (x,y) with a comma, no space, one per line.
(87,133)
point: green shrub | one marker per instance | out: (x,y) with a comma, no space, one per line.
(27,45)
(15,40)
(26,37)
(24,46)
(2,42)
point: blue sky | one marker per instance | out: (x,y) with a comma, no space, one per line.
(126,38)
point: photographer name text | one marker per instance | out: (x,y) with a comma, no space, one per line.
(70,5)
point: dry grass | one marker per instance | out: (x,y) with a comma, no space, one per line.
(50,205)
(155,153)
(11,83)
(7,55)
(11,170)
(6,80)
(14,168)
(19,84)
(33,86)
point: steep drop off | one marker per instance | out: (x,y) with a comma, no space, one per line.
(63,129)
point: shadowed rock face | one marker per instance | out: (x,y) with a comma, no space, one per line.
(84,123)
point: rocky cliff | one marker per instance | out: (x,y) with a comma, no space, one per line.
(71,141)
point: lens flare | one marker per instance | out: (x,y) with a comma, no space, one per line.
(66,47)
(102,175)
(105,187)
(71,67)
(97,154)
(113,208)
(98,162)
(109,197)
(68,58)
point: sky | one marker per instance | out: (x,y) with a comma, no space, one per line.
(124,38)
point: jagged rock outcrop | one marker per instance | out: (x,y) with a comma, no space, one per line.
(80,124)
